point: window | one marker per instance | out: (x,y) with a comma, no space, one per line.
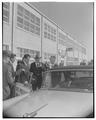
(77,80)
(28,21)
(20,22)
(45,34)
(37,21)
(48,35)
(37,30)
(20,11)
(32,18)
(5,47)
(26,25)
(32,28)
(26,14)
(50,31)
(22,51)
(62,39)
(6,11)
(54,32)
(48,28)
(45,26)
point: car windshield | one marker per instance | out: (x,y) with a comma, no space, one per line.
(80,79)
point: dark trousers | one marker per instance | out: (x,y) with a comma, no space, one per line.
(37,83)
(12,91)
(34,86)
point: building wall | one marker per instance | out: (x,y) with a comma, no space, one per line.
(49,40)
(25,36)
(61,47)
(7,25)
(25,30)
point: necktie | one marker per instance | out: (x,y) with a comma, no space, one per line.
(37,64)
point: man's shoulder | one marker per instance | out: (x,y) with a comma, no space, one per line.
(5,66)
(10,64)
(55,66)
(22,64)
(33,63)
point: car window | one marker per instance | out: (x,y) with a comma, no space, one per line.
(68,79)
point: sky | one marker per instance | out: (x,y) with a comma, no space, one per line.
(75,18)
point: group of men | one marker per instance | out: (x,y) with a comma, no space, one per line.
(24,73)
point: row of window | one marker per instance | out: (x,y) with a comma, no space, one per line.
(6,11)
(72,59)
(49,36)
(49,32)
(64,40)
(27,20)
(22,51)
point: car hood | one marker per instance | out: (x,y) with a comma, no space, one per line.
(53,103)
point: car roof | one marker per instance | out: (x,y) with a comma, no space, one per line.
(73,67)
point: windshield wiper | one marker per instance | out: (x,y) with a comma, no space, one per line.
(33,114)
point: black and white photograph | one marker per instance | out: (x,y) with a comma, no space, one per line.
(48,59)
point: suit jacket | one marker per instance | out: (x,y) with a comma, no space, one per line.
(12,69)
(52,66)
(24,72)
(12,86)
(37,71)
(7,80)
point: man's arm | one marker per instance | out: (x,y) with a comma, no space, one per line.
(31,68)
(9,75)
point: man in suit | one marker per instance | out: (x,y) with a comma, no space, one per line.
(7,75)
(54,75)
(52,62)
(12,86)
(23,70)
(36,69)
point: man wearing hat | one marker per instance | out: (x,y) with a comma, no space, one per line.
(7,75)
(36,69)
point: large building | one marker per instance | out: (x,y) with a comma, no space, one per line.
(27,30)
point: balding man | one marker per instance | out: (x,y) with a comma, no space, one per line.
(52,62)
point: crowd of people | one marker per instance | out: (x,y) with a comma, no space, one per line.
(25,73)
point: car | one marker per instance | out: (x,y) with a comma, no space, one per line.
(66,92)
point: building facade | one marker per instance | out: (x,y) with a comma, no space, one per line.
(26,30)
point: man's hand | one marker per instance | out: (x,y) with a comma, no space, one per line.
(26,82)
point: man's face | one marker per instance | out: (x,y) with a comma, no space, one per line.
(13,59)
(37,60)
(52,60)
(27,60)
